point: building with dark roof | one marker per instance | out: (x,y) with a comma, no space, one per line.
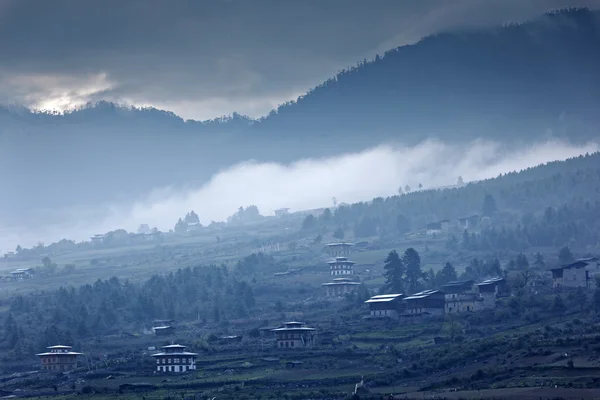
(293,335)
(165,330)
(573,275)
(461,297)
(427,302)
(386,306)
(470,222)
(59,358)
(174,358)
(491,289)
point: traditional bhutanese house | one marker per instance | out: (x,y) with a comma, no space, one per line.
(174,358)
(294,335)
(434,226)
(22,273)
(470,222)
(385,306)
(572,275)
(59,358)
(340,287)
(165,330)
(282,212)
(490,290)
(428,302)
(460,297)
(97,239)
(341,266)
(338,249)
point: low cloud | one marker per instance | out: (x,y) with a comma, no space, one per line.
(305,184)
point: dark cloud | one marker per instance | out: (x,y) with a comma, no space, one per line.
(206,58)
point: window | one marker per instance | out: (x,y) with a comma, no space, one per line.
(292,344)
(169,361)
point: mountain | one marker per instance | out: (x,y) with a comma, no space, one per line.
(518,82)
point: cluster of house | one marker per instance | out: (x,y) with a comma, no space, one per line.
(452,298)
(175,357)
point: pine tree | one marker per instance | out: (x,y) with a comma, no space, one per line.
(414,274)
(448,274)
(489,207)
(565,256)
(394,272)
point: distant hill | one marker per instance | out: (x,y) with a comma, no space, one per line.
(520,82)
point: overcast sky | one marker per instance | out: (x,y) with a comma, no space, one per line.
(203,59)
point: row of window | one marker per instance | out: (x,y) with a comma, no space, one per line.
(184,360)
(173,368)
(286,344)
(58,367)
(290,336)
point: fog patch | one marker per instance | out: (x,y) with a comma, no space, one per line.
(305,184)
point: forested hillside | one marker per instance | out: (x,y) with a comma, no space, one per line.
(549,205)
(519,81)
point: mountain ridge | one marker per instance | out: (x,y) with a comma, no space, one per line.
(521,82)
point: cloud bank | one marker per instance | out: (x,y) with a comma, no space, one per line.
(305,184)
(207,58)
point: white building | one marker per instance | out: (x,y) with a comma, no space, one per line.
(341,266)
(22,273)
(340,287)
(386,306)
(174,358)
(339,249)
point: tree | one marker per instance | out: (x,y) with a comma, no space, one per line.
(18,249)
(489,207)
(414,274)
(420,186)
(407,189)
(367,227)
(339,233)
(538,261)
(310,222)
(393,272)
(180,226)
(447,274)
(192,218)
(327,216)
(400,191)
(402,224)
(522,262)
(565,256)
(452,242)
(452,327)
(460,181)
(143,228)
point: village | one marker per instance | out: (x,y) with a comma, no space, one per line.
(452,298)
(315,326)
